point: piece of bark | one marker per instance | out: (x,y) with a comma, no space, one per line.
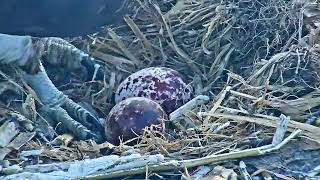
(12,169)
(201,99)
(7,132)
(4,152)
(80,169)
(35,152)
(116,166)
(200,172)
(21,140)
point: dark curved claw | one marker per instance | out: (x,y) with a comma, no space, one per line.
(88,63)
(83,116)
(59,114)
(60,53)
(73,117)
(96,124)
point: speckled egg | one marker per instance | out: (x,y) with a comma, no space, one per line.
(163,85)
(130,116)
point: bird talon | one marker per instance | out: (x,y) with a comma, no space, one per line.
(82,115)
(96,124)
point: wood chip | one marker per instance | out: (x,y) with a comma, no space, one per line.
(7,132)
(4,152)
(35,152)
(21,140)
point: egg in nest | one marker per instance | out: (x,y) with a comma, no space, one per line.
(163,85)
(128,118)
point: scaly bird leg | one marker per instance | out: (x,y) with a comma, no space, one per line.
(60,107)
(20,50)
(61,53)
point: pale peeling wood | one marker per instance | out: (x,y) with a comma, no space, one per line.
(7,132)
(84,168)
(21,140)
(25,154)
(115,166)
(4,152)
(201,99)
(282,125)
(310,131)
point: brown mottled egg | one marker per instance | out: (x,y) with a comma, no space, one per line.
(130,116)
(163,85)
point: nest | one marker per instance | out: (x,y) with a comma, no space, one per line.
(257,61)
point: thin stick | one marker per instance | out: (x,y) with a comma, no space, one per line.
(176,165)
(218,103)
(201,99)
(308,130)
(183,54)
(124,166)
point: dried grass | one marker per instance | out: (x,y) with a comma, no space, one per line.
(250,57)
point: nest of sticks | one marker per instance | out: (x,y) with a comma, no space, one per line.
(252,64)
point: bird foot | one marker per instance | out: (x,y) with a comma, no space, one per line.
(62,110)
(26,53)
(68,124)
